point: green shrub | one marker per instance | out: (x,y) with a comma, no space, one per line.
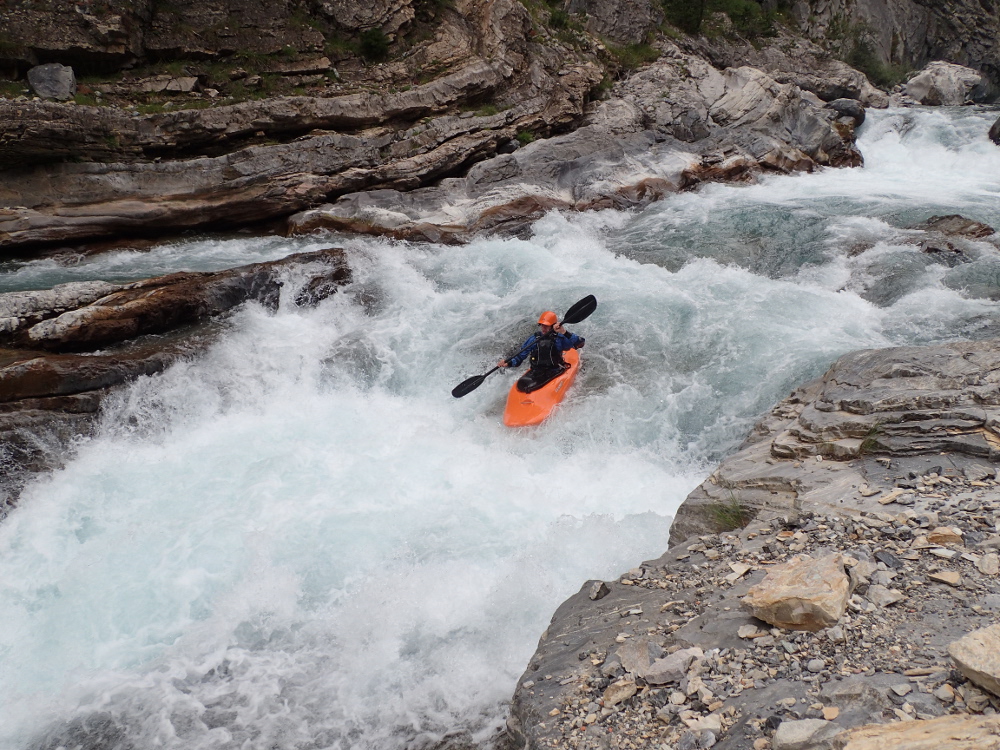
(749,19)
(862,56)
(559,19)
(632,56)
(686,15)
(729,514)
(374,45)
(525,137)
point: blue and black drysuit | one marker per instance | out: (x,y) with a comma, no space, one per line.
(544,354)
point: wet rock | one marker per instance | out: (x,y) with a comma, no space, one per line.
(955,225)
(803,594)
(995,132)
(945,84)
(977,655)
(849,108)
(162,304)
(53,81)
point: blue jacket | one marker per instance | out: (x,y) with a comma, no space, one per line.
(564,342)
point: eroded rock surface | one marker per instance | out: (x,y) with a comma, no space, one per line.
(630,150)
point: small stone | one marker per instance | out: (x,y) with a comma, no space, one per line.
(678,698)
(739,570)
(902,689)
(748,631)
(945,535)
(989,564)
(830,713)
(945,693)
(881,596)
(761,743)
(815,665)
(554,712)
(598,590)
(949,577)
(618,692)
(836,634)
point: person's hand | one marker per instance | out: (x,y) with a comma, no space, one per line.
(558,328)
(503,363)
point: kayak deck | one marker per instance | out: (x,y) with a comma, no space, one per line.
(525,409)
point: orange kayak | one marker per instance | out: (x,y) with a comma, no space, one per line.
(524,409)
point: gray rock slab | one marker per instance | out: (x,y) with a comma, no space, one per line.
(53,81)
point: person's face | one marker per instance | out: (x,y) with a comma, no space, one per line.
(544,328)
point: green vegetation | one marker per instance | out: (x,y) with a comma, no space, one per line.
(87,100)
(729,514)
(870,443)
(559,19)
(633,56)
(525,137)
(11,89)
(374,45)
(862,56)
(749,19)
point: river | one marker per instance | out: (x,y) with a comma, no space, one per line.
(300,540)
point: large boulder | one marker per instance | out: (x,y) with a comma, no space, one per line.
(995,132)
(803,594)
(977,656)
(945,84)
(53,81)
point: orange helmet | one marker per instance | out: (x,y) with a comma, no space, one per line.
(548,318)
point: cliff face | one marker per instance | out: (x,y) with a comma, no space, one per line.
(909,33)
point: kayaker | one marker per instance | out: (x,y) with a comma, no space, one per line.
(544,353)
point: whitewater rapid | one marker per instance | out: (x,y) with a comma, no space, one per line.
(299,539)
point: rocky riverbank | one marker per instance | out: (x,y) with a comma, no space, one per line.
(851,603)
(423,120)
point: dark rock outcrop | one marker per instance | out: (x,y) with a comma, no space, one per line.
(49,396)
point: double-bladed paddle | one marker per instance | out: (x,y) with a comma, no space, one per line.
(580,311)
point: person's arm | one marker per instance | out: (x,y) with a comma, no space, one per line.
(566,340)
(516,360)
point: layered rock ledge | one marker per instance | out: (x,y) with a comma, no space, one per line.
(63,350)
(851,603)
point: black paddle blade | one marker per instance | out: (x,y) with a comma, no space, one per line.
(468,386)
(581,310)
